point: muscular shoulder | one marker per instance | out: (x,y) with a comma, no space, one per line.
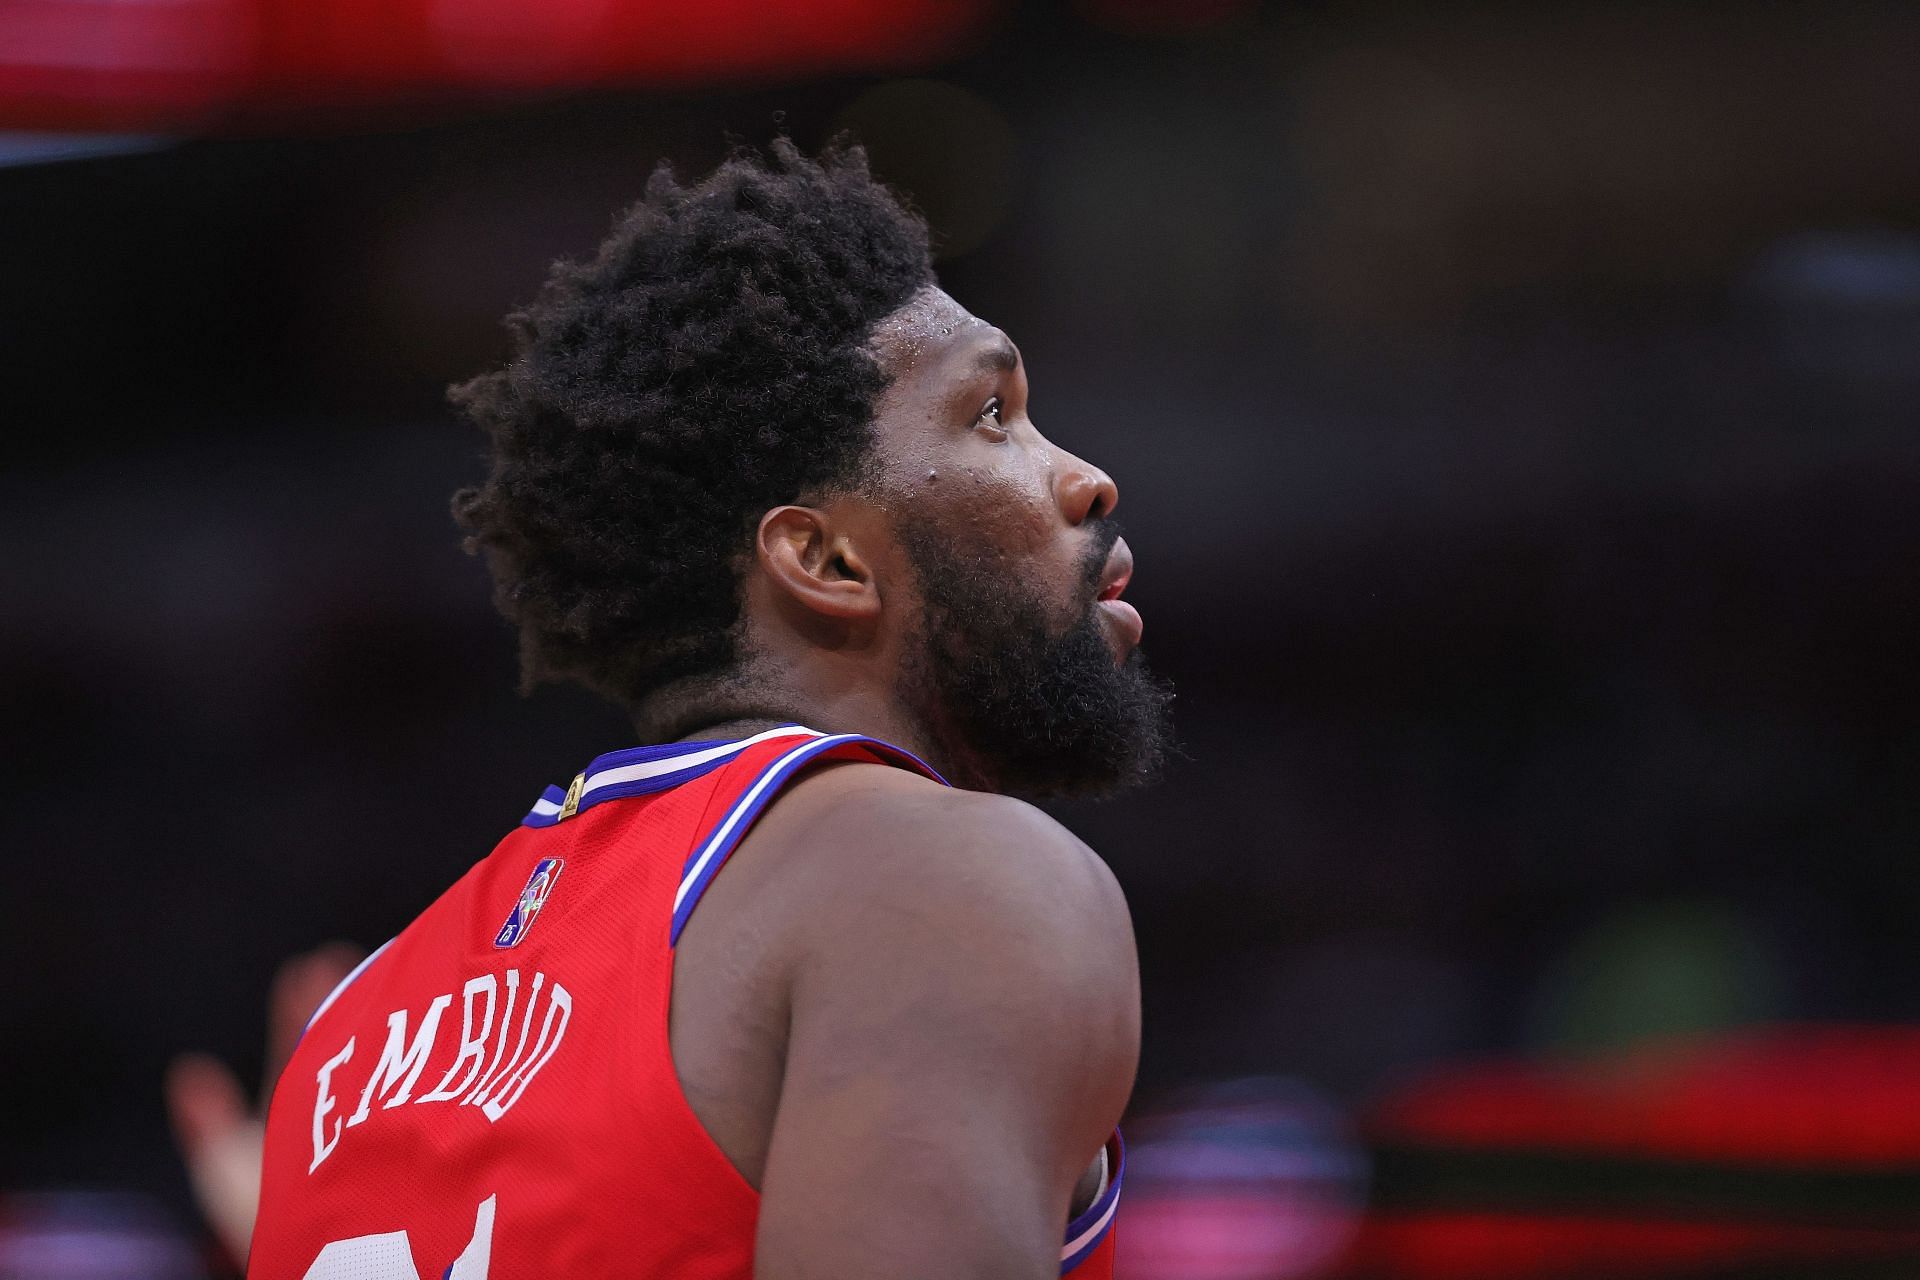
(963,1029)
(885,850)
(977,906)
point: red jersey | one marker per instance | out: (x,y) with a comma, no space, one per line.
(492,1093)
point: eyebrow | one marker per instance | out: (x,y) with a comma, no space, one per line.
(1001,356)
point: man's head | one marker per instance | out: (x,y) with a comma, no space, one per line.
(751,460)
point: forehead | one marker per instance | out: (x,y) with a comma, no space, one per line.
(932,341)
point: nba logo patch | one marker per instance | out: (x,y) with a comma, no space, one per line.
(532,898)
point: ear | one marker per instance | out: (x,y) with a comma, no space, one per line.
(807,560)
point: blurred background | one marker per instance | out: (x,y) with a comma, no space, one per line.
(1514,411)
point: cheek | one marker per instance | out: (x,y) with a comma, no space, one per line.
(994,500)
(1008,512)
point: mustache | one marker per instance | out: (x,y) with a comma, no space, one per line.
(1105,531)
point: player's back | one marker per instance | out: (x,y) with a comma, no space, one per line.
(493,1092)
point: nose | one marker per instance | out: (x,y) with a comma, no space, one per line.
(1085,491)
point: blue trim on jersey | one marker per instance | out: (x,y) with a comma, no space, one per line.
(705,863)
(340,987)
(635,771)
(1085,1232)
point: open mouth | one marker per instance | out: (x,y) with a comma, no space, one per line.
(1123,619)
(1117,572)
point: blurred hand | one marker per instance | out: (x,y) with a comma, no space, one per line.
(219,1133)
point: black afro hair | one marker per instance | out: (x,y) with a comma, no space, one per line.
(707,364)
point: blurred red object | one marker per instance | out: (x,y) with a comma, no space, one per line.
(1795,1145)
(196,65)
(1815,1094)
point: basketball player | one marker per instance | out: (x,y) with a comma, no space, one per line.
(799,990)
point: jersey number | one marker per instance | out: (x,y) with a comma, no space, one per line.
(389,1255)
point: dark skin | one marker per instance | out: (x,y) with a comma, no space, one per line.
(908,1014)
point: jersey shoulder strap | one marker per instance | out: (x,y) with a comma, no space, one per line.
(759,775)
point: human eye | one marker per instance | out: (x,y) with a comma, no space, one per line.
(993,412)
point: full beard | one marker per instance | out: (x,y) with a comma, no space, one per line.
(1016,704)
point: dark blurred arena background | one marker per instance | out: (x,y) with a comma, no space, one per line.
(1514,408)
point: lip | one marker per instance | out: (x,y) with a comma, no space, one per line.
(1124,625)
(1118,573)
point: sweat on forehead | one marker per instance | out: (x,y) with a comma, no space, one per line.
(925,320)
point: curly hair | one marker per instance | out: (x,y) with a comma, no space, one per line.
(708,363)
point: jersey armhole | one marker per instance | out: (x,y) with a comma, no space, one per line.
(1086,1232)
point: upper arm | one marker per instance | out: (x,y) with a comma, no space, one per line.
(964,1031)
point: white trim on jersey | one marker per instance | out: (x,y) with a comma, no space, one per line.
(769,776)
(641,771)
(693,759)
(1092,1233)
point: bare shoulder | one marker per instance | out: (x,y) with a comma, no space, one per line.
(976,913)
(886,845)
(963,1029)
